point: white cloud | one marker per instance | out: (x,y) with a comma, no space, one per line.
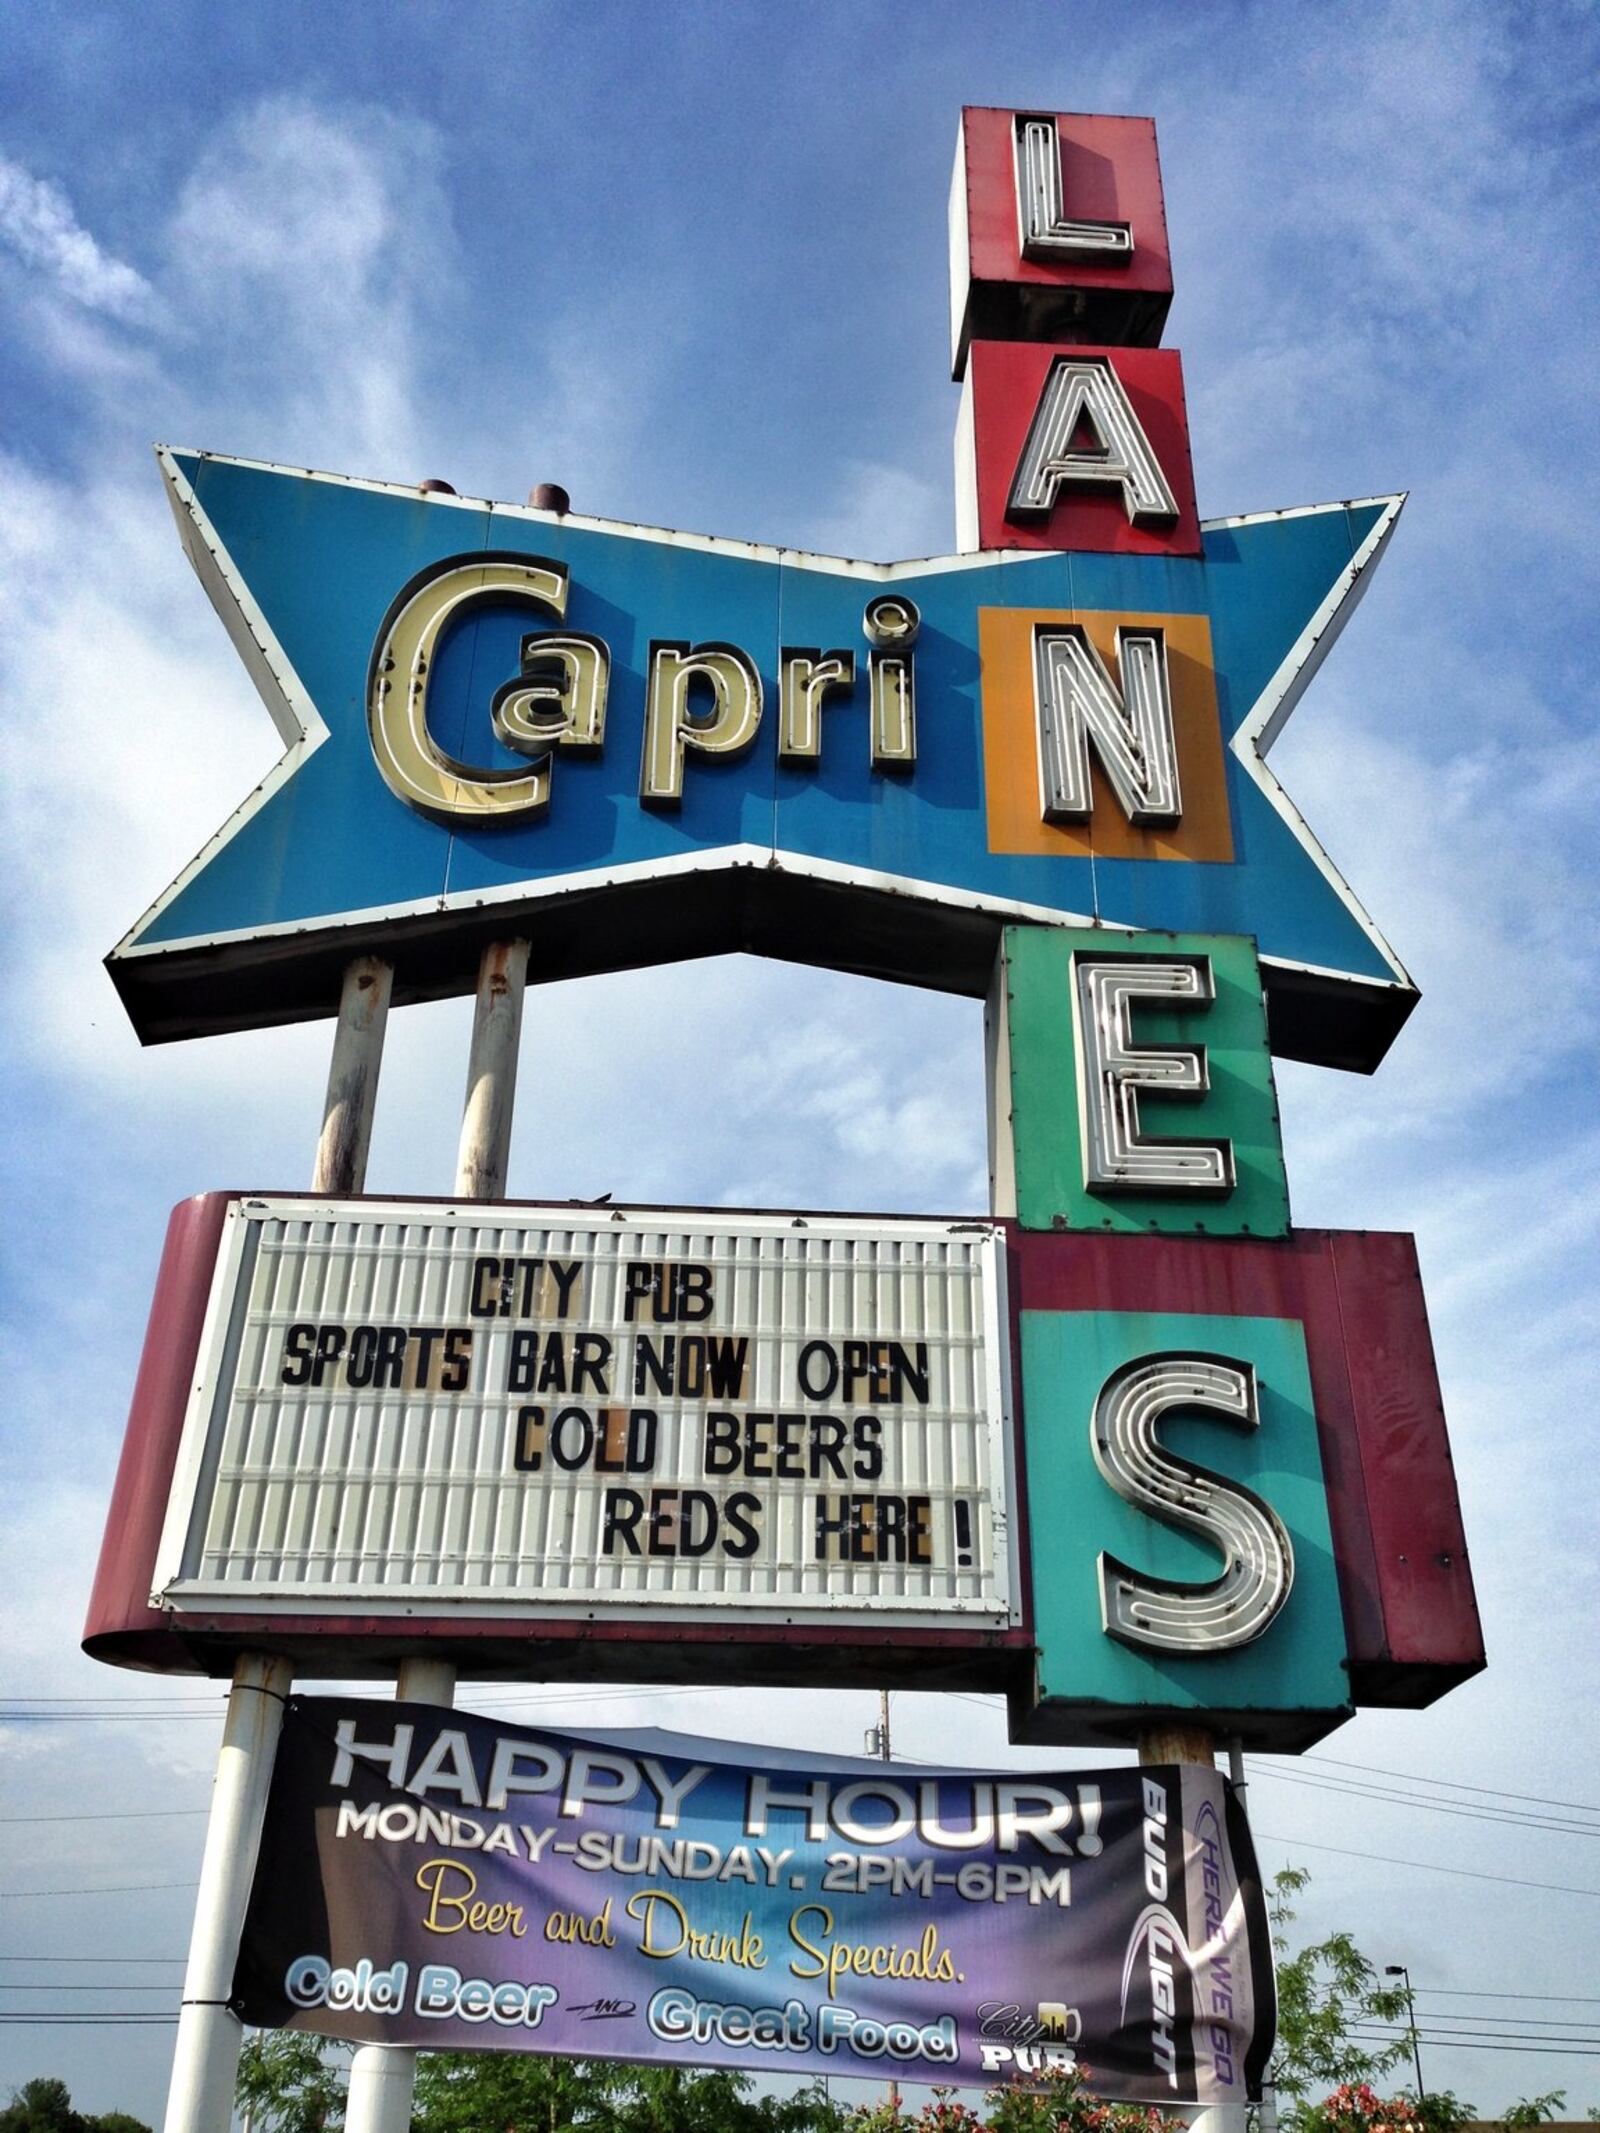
(1480,868)
(300,251)
(305,245)
(38,223)
(881,514)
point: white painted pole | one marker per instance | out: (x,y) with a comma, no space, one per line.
(492,1072)
(1216,2118)
(205,2060)
(352,1097)
(383,2076)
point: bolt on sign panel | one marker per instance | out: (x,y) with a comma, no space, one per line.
(595,1414)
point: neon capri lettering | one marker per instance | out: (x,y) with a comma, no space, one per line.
(700,699)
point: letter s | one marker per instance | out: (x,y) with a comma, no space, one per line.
(1172,1614)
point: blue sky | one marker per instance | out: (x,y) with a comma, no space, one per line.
(691,263)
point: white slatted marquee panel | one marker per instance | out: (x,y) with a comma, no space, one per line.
(395,1480)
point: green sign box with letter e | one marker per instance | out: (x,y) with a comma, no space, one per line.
(1130,1084)
(1132,1622)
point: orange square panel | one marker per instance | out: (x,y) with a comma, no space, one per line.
(1011,749)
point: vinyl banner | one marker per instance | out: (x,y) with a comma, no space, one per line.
(431,1878)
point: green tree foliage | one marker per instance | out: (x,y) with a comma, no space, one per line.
(287,2084)
(515,2092)
(507,2092)
(678,2099)
(1441,2111)
(1324,2075)
(44,2105)
(1047,2103)
(41,2106)
(1534,2111)
(1324,1992)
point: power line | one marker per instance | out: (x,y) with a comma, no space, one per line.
(158,1699)
(1453,2018)
(1504,1818)
(1456,2014)
(1462,2044)
(1452,1784)
(128,1814)
(102,1718)
(1362,1788)
(1429,1866)
(120,1888)
(1466,1992)
(1443,2026)
(66,2018)
(125,1984)
(570,1692)
(189,1713)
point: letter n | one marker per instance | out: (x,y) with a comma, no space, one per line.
(1078,706)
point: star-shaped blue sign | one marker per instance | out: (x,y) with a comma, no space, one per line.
(905,870)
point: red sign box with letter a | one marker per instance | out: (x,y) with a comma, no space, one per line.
(1069,447)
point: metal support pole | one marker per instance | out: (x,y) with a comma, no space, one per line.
(205,2059)
(352,1097)
(492,1072)
(1267,2109)
(1191,1744)
(886,1754)
(383,2076)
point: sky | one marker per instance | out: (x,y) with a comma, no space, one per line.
(690,263)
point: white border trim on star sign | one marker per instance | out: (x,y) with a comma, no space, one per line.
(303,729)
(1275,706)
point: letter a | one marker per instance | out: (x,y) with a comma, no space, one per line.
(1079,391)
